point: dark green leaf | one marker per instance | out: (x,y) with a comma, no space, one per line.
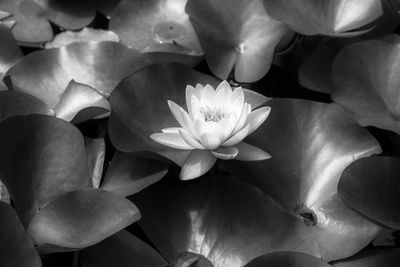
(287,259)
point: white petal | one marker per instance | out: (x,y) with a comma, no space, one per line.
(190,139)
(198,163)
(257,117)
(238,137)
(242,119)
(190,91)
(208,95)
(195,107)
(250,153)
(223,91)
(173,140)
(171,130)
(225,153)
(225,127)
(180,115)
(199,87)
(210,141)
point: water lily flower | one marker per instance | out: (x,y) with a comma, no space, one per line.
(214,127)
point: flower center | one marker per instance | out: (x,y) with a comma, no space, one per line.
(213,114)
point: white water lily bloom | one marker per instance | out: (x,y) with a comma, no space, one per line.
(214,127)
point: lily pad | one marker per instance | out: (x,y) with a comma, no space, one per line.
(10,53)
(101,65)
(151,24)
(95,154)
(16,247)
(236,36)
(225,220)
(85,35)
(81,218)
(366,82)
(287,259)
(311,144)
(14,103)
(128,174)
(372,258)
(335,18)
(371,186)
(42,158)
(133,120)
(123,250)
(190,259)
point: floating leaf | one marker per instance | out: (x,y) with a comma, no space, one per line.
(80,102)
(101,65)
(13,103)
(287,259)
(123,250)
(366,82)
(133,120)
(371,186)
(128,174)
(311,144)
(10,53)
(221,218)
(373,258)
(85,35)
(16,247)
(337,18)
(236,35)
(41,158)
(81,218)
(31,27)
(173,53)
(189,259)
(95,154)
(145,25)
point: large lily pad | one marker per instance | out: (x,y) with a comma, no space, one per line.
(149,24)
(337,17)
(123,250)
(41,158)
(373,258)
(133,120)
(287,259)
(101,65)
(371,186)
(311,144)
(16,247)
(221,218)
(128,174)
(81,218)
(366,82)
(10,53)
(236,35)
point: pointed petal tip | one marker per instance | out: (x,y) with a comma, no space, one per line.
(198,163)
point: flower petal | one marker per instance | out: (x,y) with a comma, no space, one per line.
(171,130)
(250,153)
(225,153)
(180,114)
(190,139)
(198,163)
(243,118)
(173,140)
(257,117)
(223,92)
(238,137)
(208,94)
(210,140)
(190,90)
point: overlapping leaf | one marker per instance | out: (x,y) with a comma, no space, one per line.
(10,53)
(16,247)
(337,17)
(236,36)
(287,259)
(133,119)
(371,186)
(311,144)
(221,218)
(373,258)
(123,250)
(366,82)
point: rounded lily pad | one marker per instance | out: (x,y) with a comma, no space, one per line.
(151,24)
(225,220)
(365,82)
(336,18)
(128,174)
(41,158)
(123,250)
(101,65)
(373,258)
(287,259)
(10,53)
(16,247)
(371,186)
(311,144)
(133,120)
(236,36)
(81,218)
